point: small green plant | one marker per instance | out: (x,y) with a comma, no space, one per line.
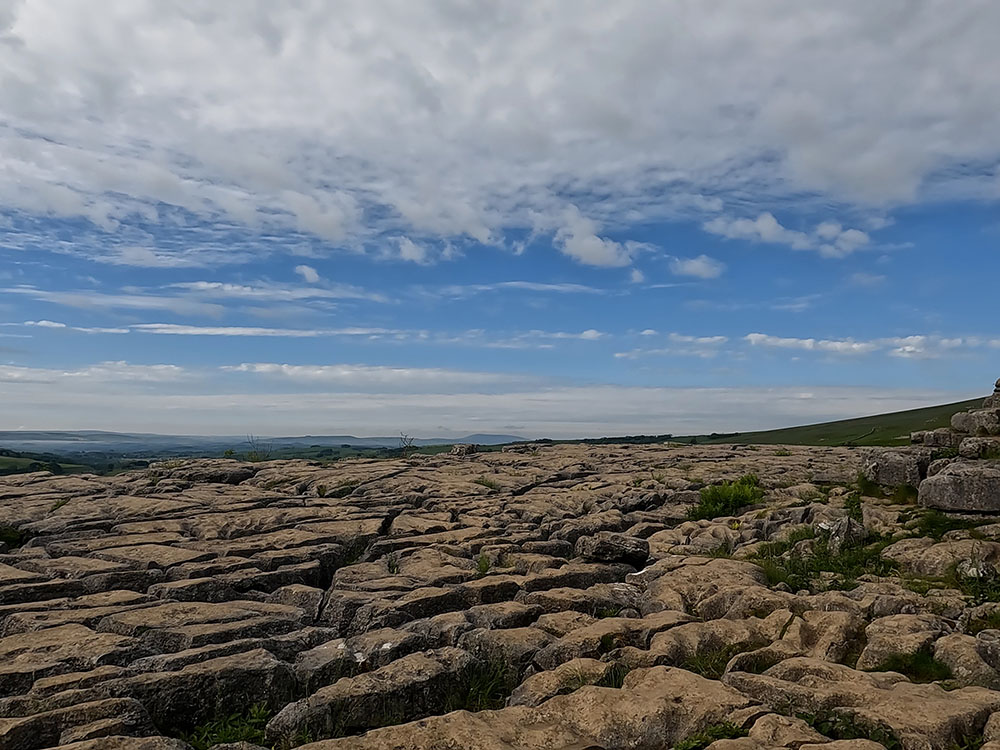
(854,508)
(708,735)
(936,524)
(614,677)
(228,453)
(392,563)
(783,452)
(919,667)
(58,504)
(800,571)
(488,687)
(11,536)
(867,487)
(321,490)
(608,643)
(986,622)
(904,494)
(238,727)
(486,482)
(482,564)
(727,498)
(711,663)
(840,726)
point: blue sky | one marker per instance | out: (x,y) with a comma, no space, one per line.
(229,217)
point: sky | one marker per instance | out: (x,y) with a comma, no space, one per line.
(550,218)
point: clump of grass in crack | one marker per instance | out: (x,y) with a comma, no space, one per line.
(919,667)
(708,735)
(614,677)
(727,498)
(486,482)
(839,726)
(867,487)
(986,622)
(936,524)
(852,504)
(904,494)
(392,563)
(489,685)
(711,663)
(801,571)
(605,612)
(11,536)
(238,727)
(482,565)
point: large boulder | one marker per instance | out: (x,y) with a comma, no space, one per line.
(896,467)
(963,486)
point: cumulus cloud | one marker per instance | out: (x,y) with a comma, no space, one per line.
(308,274)
(701,267)
(578,239)
(829,238)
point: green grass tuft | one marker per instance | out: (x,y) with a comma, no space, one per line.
(840,726)
(708,735)
(711,663)
(238,727)
(727,498)
(919,667)
(487,483)
(11,536)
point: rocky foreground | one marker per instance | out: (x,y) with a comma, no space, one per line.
(563,597)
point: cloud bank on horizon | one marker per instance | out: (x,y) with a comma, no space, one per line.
(547,218)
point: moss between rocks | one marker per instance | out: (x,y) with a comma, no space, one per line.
(919,667)
(704,738)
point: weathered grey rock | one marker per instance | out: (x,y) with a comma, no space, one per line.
(846,533)
(980,422)
(607,546)
(895,467)
(963,486)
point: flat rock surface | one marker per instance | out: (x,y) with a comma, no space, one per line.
(538,597)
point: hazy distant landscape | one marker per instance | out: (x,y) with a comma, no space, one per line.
(96,451)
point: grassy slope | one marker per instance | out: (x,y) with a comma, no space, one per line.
(883,429)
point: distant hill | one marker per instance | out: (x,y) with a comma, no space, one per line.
(882,429)
(134,444)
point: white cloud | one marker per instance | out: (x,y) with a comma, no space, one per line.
(100,374)
(829,238)
(411,251)
(308,273)
(173,329)
(578,239)
(385,119)
(44,324)
(275,292)
(370,376)
(464,290)
(841,346)
(637,276)
(96,300)
(702,267)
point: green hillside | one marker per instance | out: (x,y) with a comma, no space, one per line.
(883,429)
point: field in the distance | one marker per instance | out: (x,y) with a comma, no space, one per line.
(882,429)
